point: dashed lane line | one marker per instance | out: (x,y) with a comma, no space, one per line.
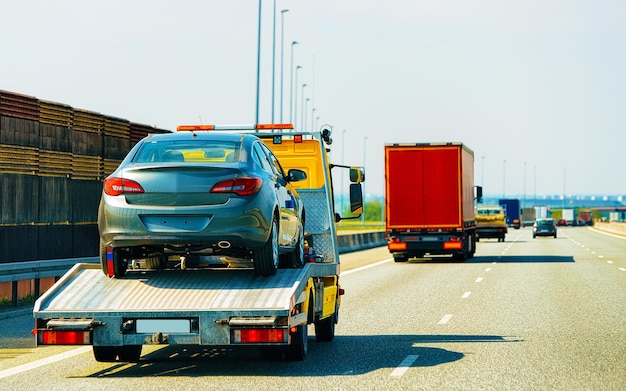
(404,365)
(44,361)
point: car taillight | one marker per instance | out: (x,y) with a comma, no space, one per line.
(118,186)
(242,186)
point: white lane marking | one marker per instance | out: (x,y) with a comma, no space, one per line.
(600,256)
(609,262)
(488,269)
(446,318)
(358,269)
(466,295)
(44,361)
(622,269)
(479,279)
(404,365)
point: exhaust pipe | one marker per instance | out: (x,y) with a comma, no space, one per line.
(223,244)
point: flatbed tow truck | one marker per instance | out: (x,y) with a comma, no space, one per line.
(214,307)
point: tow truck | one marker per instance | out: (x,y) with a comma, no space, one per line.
(216,307)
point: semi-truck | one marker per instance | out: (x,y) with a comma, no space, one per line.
(215,306)
(429,200)
(512,211)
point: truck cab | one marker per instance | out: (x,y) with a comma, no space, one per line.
(490,222)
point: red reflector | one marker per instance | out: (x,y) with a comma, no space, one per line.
(110,265)
(65,337)
(260,335)
(452,246)
(396,246)
(241,186)
(118,186)
(297,138)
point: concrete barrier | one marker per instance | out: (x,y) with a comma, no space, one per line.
(615,227)
(360,241)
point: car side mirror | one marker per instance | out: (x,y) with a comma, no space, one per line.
(296,175)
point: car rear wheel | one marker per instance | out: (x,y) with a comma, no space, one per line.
(297,256)
(118,266)
(266,258)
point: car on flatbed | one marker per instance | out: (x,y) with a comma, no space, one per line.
(182,198)
(544,227)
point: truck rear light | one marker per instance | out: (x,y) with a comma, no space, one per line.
(452,246)
(260,336)
(63,337)
(117,186)
(396,245)
(242,186)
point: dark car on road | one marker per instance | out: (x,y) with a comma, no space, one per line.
(544,227)
(179,199)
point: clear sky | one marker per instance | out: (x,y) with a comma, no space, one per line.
(536,88)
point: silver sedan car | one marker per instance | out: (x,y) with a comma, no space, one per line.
(181,198)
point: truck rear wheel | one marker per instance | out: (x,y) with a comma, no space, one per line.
(325,328)
(299,346)
(399,257)
(129,353)
(105,353)
(266,258)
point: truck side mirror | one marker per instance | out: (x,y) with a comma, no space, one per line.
(356,198)
(357,174)
(479,194)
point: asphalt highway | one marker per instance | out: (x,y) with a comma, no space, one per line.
(524,314)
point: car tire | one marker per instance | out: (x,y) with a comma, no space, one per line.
(119,263)
(325,328)
(266,257)
(297,256)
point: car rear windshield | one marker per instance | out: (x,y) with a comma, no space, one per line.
(188,151)
(494,211)
(545,223)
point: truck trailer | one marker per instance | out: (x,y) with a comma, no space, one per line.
(215,306)
(429,200)
(512,211)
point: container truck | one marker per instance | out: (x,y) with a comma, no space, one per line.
(512,211)
(429,200)
(215,306)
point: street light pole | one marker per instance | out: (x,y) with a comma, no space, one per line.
(282,56)
(295,99)
(503,178)
(304,113)
(273,59)
(364,153)
(291,84)
(302,100)
(258,67)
